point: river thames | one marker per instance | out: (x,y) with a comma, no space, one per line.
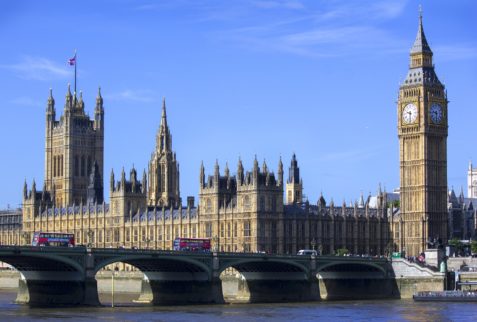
(380,310)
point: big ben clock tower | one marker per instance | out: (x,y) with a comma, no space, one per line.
(422,131)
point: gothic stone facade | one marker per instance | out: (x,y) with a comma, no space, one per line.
(422,130)
(241,212)
(245,211)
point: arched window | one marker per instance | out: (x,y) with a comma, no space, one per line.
(262,203)
(54,166)
(246,228)
(89,166)
(76,166)
(274,203)
(61,165)
(83,165)
(209,205)
(246,203)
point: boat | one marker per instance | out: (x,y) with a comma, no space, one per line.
(446,296)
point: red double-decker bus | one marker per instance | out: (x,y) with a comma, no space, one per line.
(192,244)
(53,239)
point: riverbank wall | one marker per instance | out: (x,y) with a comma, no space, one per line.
(411,278)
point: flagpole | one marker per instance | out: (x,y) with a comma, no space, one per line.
(76,62)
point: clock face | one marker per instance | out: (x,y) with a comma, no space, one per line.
(409,113)
(436,113)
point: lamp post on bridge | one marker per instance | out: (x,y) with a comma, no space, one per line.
(216,246)
(25,236)
(113,272)
(90,238)
(313,243)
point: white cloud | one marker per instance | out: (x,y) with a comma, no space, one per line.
(25,101)
(144,96)
(455,52)
(38,68)
(268,4)
(353,155)
(325,29)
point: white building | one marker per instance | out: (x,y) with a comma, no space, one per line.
(471,182)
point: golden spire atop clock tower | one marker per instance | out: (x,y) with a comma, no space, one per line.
(422,132)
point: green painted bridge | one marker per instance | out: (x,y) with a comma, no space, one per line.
(66,276)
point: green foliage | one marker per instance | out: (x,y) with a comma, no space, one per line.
(342,251)
(395,204)
(473,246)
(456,243)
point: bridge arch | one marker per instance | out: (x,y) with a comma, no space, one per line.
(146,262)
(353,279)
(42,262)
(265,279)
(249,264)
(343,266)
(169,278)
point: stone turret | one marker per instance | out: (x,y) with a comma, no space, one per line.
(294,188)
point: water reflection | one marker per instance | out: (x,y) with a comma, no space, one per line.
(127,310)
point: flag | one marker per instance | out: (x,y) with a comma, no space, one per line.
(72,61)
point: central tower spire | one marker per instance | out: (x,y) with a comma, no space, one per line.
(163,168)
(163,139)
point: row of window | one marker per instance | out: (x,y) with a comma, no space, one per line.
(247,204)
(246,229)
(82,166)
(58,166)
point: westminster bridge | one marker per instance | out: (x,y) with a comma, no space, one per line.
(66,275)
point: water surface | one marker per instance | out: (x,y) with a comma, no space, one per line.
(385,310)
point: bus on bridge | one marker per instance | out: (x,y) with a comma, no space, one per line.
(192,244)
(53,239)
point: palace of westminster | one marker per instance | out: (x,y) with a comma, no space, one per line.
(246,211)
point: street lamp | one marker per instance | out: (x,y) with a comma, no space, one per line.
(313,243)
(25,236)
(113,272)
(90,234)
(216,239)
(148,240)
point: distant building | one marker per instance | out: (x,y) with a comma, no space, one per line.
(462,216)
(471,182)
(11,227)
(392,198)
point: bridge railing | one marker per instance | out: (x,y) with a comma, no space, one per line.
(51,249)
(83,249)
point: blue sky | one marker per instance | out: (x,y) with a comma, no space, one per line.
(241,78)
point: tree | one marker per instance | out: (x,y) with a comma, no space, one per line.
(473,247)
(394,203)
(342,251)
(457,244)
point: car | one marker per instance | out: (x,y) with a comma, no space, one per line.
(307,252)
